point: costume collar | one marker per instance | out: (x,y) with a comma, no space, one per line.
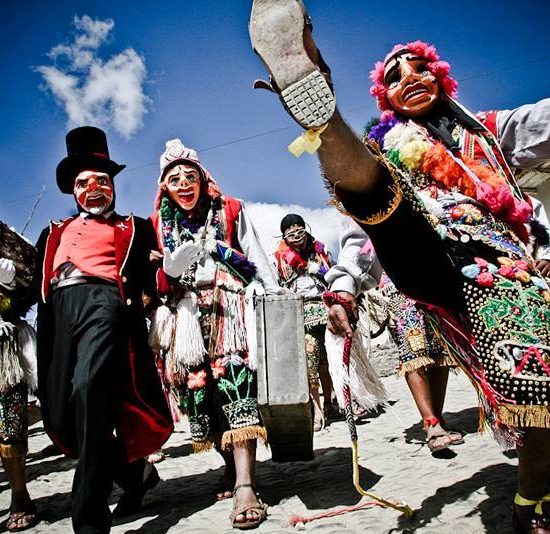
(104,215)
(441,121)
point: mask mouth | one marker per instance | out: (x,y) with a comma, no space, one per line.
(415,90)
(186,194)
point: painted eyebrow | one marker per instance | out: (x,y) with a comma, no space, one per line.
(415,58)
(176,174)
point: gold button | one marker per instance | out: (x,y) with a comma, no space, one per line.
(124,279)
(128,301)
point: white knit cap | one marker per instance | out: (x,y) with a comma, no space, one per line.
(176,151)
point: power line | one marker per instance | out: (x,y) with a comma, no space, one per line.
(277,130)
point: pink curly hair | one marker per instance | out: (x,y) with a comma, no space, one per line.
(440,69)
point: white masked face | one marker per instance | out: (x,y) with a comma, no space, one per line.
(94,191)
(295,237)
(183,185)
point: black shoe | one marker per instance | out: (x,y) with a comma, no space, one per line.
(130,502)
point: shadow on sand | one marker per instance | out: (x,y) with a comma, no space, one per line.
(498,481)
(275,481)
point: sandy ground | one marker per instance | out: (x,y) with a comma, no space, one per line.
(468,490)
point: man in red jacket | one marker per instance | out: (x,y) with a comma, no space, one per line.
(96,372)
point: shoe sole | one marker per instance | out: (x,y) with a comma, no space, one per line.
(276,32)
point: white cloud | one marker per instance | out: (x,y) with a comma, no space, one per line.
(325,223)
(91,90)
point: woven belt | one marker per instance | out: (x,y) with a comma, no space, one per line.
(76,280)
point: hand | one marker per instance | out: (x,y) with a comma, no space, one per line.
(155,257)
(177,262)
(6,328)
(338,322)
(544,267)
(313,267)
(7,272)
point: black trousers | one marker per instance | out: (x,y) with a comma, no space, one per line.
(91,329)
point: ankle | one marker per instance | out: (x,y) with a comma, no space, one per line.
(430,421)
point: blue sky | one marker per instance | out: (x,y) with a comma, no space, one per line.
(199,69)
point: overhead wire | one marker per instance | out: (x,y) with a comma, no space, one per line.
(277,130)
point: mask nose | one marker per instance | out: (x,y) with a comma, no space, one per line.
(92,184)
(407,73)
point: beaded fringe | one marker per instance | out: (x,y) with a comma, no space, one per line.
(524,416)
(415,364)
(202,446)
(231,437)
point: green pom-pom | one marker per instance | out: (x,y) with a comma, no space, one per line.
(393,156)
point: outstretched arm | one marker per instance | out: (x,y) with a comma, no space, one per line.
(524,134)
(346,161)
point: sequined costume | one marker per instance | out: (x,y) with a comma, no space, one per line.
(460,211)
(416,342)
(17,365)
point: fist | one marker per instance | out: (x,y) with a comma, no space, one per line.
(544,267)
(338,320)
(6,328)
(7,272)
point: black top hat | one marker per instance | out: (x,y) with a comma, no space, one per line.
(86,150)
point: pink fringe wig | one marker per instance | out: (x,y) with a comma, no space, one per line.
(440,69)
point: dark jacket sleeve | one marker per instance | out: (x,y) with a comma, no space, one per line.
(146,242)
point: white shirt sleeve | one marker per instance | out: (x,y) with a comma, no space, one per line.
(539,214)
(354,271)
(250,245)
(524,134)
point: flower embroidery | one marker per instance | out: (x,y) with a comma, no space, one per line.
(482,271)
(196,380)
(234,359)
(466,213)
(218,369)
(514,269)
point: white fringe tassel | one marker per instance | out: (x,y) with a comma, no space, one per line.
(365,385)
(233,323)
(11,373)
(188,347)
(161,331)
(27,354)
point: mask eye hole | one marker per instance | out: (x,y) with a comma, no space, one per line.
(295,235)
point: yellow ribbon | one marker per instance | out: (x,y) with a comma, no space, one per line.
(522,501)
(309,142)
(399,506)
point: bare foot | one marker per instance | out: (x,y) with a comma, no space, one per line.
(248,510)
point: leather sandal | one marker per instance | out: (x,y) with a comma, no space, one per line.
(457,436)
(224,489)
(277,35)
(259,508)
(431,440)
(19,521)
